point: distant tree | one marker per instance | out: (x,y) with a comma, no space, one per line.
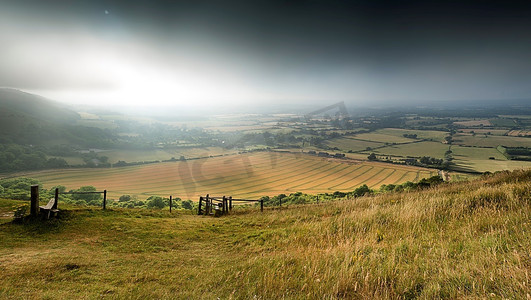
(120,163)
(86,197)
(61,188)
(124,198)
(372,156)
(56,163)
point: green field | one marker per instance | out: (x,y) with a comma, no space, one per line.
(382,138)
(491,141)
(250,175)
(503,122)
(467,240)
(478,160)
(498,132)
(421,134)
(347,143)
(433,149)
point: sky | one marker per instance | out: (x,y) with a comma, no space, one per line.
(219,53)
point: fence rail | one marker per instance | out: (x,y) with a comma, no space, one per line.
(104,192)
(207,205)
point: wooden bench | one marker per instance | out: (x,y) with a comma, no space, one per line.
(48,209)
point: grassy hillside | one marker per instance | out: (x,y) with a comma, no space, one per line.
(28,119)
(248,175)
(460,240)
(15,104)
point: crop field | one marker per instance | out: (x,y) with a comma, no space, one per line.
(433,149)
(519,133)
(163,154)
(249,175)
(477,159)
(491,141)
(348,143)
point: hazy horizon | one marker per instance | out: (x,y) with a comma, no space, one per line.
(201,53)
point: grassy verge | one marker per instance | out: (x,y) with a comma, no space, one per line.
(461,240)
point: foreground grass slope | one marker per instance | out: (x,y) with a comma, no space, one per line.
(466,240)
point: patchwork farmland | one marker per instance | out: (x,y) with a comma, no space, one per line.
(250,175)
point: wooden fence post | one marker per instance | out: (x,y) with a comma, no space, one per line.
(224,204)
(104,199)
(56,198)
(170,204)
(208,205)
(230,202)
(280,200)
(199,208)
(261,205)
(34,208)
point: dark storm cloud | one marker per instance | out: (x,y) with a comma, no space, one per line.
(301,49)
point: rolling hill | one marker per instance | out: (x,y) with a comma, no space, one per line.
(28,119)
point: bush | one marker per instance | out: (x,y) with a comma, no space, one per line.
(155,202)
(187,204)
(362,191)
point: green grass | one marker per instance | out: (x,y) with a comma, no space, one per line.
(462,240)
(491,141)
(502,122)
(6,210)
